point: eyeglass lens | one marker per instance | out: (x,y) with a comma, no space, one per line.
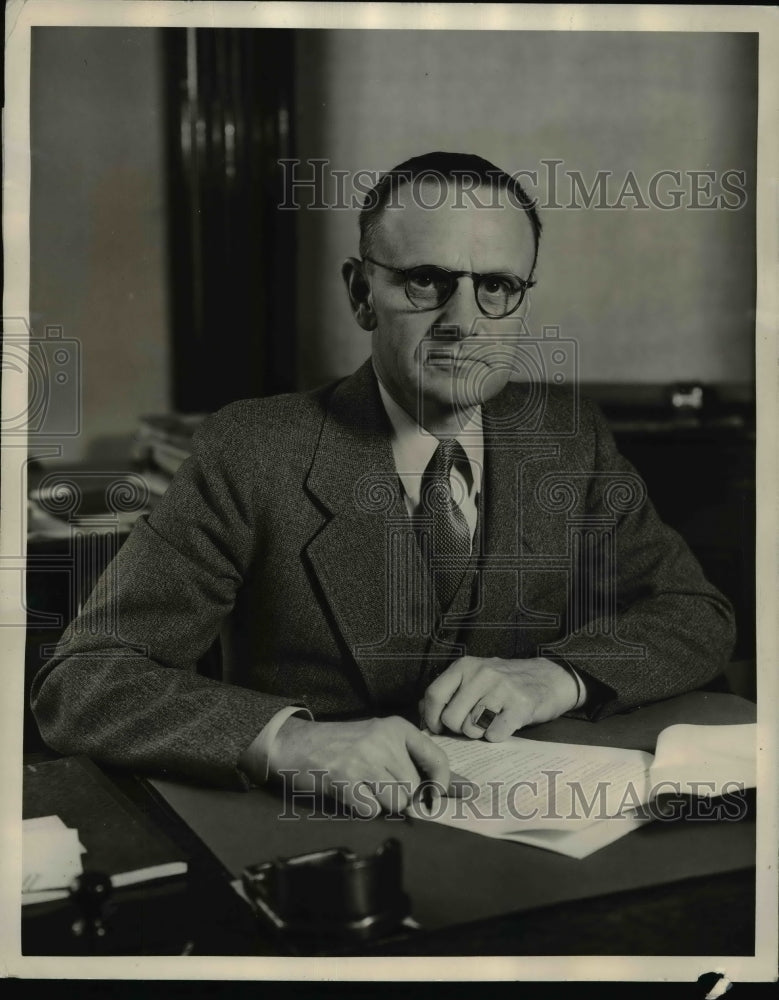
(497,294)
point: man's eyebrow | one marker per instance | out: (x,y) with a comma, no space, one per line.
(428,262)
(491,270)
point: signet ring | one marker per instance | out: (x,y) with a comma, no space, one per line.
(484,718)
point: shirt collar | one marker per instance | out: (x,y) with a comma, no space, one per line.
(413,446)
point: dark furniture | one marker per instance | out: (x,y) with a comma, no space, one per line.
(229,122)
(699,469)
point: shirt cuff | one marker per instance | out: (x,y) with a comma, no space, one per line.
(259,750)
(581,687)
(597,694)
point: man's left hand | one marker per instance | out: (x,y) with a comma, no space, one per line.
(519,692)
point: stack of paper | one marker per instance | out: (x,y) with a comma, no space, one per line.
(566,798)
(51,859)
(705,760)
(576,799)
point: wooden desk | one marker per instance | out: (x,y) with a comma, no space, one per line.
(679,888)
(660,890)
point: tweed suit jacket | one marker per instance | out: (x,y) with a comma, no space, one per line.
(286,536)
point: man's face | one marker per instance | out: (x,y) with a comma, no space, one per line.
(446,360)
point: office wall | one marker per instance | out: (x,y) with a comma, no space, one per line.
(98,266)
(651,295)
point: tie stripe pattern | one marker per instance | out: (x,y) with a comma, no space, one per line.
(451,536)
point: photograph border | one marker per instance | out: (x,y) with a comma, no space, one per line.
(20,17)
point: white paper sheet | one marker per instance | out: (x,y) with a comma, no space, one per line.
(706,760)
(51,855)
(531,785)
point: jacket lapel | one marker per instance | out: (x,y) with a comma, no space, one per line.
(367,560)
(365,557)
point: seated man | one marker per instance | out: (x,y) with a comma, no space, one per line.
(424,545)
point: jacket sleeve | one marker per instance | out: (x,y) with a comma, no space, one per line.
(122,685)
(662,628)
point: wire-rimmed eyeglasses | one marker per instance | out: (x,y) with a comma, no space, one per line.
(428,286)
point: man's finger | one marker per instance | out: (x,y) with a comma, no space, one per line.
(505,724)
(460,787)
(406,779)
(428,758)
(480,718)
(362,799)
(438,696)
(462,712)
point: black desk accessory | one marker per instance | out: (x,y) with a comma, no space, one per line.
(332,895)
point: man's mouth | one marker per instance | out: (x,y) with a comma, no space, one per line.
(440,357)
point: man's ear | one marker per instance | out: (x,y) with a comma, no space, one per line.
(359,292)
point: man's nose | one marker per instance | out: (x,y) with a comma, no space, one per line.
(460,311)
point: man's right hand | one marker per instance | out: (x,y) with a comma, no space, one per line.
(383,760)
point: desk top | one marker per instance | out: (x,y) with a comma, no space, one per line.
(639,729)
(455,877)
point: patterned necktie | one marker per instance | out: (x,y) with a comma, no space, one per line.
(451,541)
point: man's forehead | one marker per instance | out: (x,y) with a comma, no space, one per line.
(436,215)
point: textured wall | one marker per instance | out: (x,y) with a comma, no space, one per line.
(97,231)
(651,295)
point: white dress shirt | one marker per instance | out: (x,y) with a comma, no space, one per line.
(413,447)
